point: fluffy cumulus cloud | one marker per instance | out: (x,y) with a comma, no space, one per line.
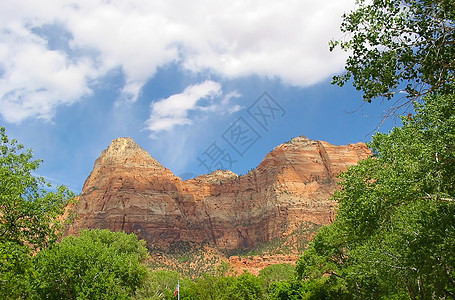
(286,39)
(35,80)
(176,109)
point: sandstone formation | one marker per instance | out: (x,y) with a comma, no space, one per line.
(129,190)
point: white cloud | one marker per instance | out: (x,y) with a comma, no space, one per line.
(286,39)
(36,80)
(176,109)
(225,105)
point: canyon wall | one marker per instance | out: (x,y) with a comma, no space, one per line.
(129,190)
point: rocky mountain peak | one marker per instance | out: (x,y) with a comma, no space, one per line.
(125,151)
(129,190)
(123,144)
(299,139)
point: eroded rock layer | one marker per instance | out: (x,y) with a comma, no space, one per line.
(129,190)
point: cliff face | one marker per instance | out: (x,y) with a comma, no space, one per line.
(129,190)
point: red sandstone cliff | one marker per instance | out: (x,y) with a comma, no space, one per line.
(129,190)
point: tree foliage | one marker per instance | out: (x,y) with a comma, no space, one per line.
(99,264)
(159,284)
(394,234)
(276,273)
(399,45)
(30,214)
(245,287)
(216,285)
(15,265)
(213,286)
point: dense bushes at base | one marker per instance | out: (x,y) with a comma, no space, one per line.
(98,264)
(216,286)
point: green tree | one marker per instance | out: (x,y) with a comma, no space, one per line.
(99,264)
(394,235)
(276,273)
(159,284)
(399,46)
(245,287)
(15,266)
(212,287)
(286,290)
(188,290)
(30,214)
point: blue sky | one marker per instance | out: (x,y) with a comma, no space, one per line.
(190,82)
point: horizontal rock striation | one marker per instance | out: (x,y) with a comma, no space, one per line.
(129,190)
